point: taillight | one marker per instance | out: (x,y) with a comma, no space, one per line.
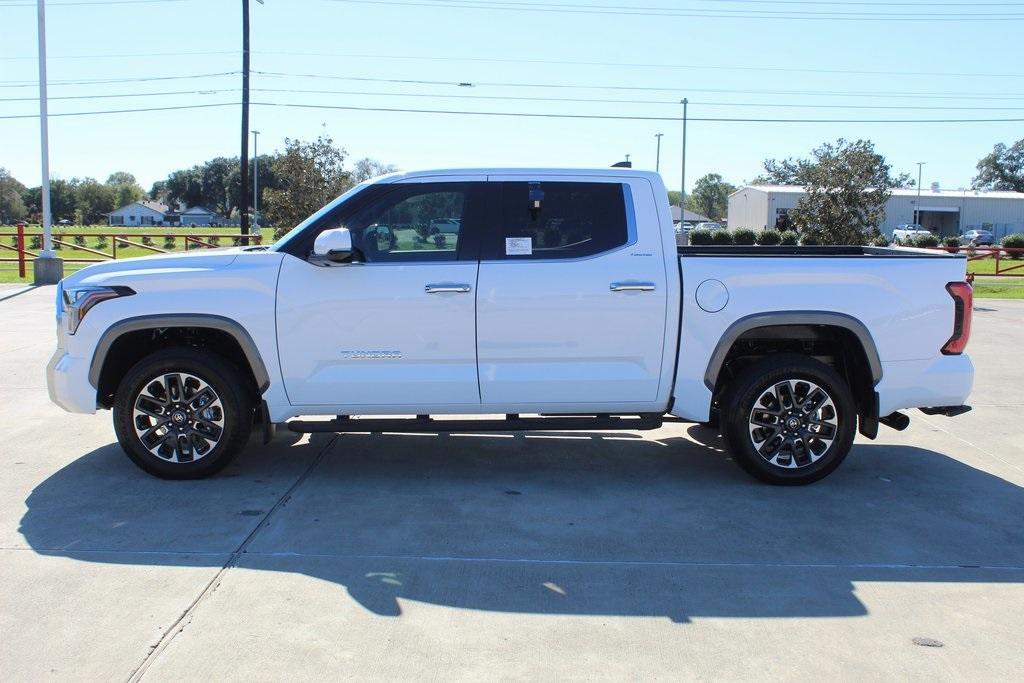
(963,305)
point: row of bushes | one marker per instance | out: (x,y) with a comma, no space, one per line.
(746,237)
(769,237)
(102,242)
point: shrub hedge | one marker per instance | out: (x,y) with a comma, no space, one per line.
(769,237)
(744,236)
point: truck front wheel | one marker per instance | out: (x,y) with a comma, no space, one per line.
(182,414)
(789,419)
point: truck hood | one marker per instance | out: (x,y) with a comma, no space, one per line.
(132,268)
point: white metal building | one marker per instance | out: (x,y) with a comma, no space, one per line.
(945,212)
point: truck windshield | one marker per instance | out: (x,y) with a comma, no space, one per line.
(280,243)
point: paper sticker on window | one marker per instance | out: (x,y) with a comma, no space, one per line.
(518,246)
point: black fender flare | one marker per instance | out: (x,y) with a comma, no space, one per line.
(776,318)
(155,322)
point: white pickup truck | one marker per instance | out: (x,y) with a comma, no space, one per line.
(561,302)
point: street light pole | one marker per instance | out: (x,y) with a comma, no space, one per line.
(256,181)
(47,269)
(657,157)
(243,210)
(682,182)
(917,209)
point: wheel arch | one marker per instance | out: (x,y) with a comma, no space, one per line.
(110,360)
(851,344)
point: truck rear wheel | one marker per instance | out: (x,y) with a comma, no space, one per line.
(789,419)
(182,414)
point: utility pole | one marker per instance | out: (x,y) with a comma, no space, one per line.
(47,269)
(256,182)
(657,156)
(243,210)
(917,209)
(682,182)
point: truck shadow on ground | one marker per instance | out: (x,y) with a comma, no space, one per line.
(582,524)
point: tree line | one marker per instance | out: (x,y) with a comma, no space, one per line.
(847,183)
(293,183)
(847,186)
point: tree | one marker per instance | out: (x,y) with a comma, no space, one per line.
(1003,169)
(12,207)
(158,191)
(185,187)
(93,200)
(309,175)
(368,168)
(847,185)
(125,188)
(710,196)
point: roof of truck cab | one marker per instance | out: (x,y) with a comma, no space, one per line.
(509,171)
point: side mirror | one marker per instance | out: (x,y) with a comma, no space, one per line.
(334,245)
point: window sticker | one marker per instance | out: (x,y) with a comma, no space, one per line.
(518,246)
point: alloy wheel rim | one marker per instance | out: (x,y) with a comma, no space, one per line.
(178,417)
(793,423)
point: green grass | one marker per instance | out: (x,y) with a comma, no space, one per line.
(989,289)
(987,266)
(9,269)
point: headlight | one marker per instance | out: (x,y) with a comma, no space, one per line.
(79,300)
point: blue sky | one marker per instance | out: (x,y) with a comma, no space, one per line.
(957,62)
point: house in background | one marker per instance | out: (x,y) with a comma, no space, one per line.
(140,213)
(146,213)
(198,215)
(689,216)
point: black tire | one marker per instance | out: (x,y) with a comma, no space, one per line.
(231,413)
(766,380)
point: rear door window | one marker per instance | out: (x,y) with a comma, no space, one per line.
(557,220)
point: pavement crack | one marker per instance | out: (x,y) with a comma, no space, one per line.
(214,583)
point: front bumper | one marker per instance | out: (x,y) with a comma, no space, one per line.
(67,381)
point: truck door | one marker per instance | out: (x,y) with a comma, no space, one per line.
(571,300)
(397,327)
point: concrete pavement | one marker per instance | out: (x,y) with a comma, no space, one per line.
(603,555)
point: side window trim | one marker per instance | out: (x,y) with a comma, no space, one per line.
(496,204)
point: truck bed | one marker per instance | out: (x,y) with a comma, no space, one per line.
(812,252)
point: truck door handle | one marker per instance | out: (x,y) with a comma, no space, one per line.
(446,287)
(631,286)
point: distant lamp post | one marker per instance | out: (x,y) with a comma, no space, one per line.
(256,182)
(917,208)
(47,269)
(657,154)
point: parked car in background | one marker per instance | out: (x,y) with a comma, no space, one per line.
(576,311)
(709,225)
(977,238)
(905,233)
(445,225)
(683,233)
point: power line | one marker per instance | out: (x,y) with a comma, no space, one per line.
(678,89)
(716,67)
(519,98)
(496,60)
(605,117)
(708,13)
(122,111)
(121,95)
(546,86)
(104,81)
(120,55)
(622,118)
(89,2)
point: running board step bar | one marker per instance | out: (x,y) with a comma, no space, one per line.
(511,423)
